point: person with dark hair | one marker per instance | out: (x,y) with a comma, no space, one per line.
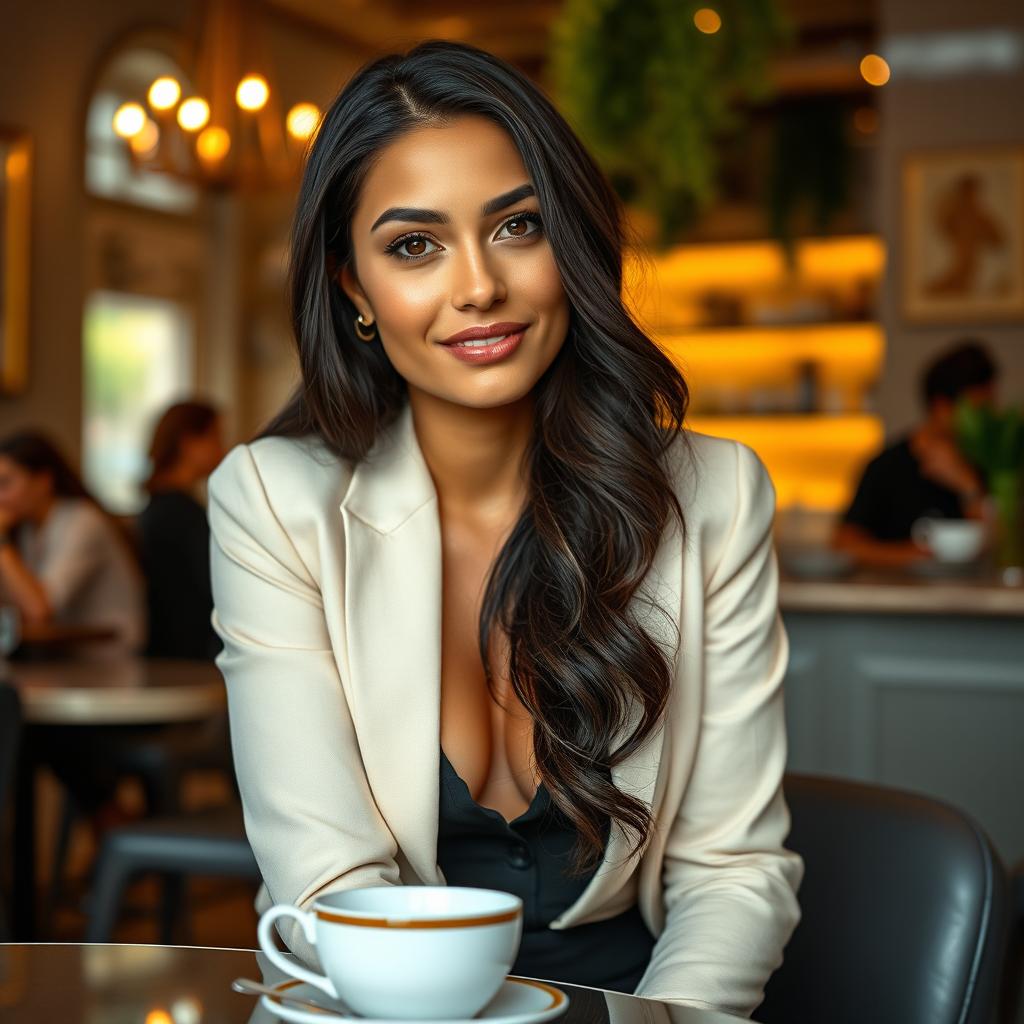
(491,615)
(922,473)
(174,536)
(62,557)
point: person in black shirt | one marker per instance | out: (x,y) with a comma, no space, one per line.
(922,473)
(174,536)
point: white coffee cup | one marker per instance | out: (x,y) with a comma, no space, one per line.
(950,540)
(406,951)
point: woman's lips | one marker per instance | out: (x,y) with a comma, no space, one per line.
(481,354)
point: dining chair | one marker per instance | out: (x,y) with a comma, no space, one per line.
(207,843)
(160,759)
(10,735)
(905,911)
(1012,1010)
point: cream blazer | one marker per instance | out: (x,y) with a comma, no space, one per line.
(327,594)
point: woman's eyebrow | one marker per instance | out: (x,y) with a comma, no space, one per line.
(413,213)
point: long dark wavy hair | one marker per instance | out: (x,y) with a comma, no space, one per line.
(606,410)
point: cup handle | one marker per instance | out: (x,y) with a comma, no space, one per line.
(919,532)
(267,943)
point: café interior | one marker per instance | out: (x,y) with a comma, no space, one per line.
(827,238)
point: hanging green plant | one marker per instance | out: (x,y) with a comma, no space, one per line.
(652,95)
(809,168)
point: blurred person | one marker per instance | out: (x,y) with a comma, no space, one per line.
(923,473)
(174,536)
(63,559)
(471,637)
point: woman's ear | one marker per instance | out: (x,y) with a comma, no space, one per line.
(350,285)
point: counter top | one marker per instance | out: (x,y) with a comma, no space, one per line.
(903,592)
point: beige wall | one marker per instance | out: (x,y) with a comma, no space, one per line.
(919,114)
(50,53)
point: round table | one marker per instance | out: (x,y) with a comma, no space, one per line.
(79,983)
(94,692)
(128,691)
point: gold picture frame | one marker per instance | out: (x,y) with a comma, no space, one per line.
(15,222)
(963,235)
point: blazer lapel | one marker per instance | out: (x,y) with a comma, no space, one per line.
(393,624)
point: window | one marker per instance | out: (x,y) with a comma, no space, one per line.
(138,355)
(109,171)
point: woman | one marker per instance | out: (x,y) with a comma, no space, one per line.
(467,639)
(174,536)
(63,560)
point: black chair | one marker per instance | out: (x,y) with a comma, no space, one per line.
(159,758)
(209,843)
(10,735)
(904,911)
(1013,985)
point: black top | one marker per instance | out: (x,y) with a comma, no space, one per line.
(174,540)
(528,857)
(892,493)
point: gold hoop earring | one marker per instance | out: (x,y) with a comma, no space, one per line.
(365,337)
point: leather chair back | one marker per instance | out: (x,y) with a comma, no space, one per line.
(904,907)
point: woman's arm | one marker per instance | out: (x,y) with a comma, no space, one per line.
(729,885)
(21,586)
(309,814)
(76,548)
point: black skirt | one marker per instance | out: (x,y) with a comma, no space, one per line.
(528,857)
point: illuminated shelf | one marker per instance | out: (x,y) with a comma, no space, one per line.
(849,354)
(813,459)
(792,345)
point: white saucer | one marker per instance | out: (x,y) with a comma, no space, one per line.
(519,1001)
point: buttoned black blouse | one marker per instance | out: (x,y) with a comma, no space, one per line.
(528,857)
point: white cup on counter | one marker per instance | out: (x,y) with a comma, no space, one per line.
(954,541)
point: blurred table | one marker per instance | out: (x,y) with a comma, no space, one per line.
(132,691)
(114,692)
(83,984)
(927,589)
(47,636)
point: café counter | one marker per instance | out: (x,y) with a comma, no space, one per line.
(912,681)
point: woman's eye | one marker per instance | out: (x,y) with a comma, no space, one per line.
(516,224)
(521,221)
(413,240)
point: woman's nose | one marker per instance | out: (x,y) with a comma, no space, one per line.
(476,282)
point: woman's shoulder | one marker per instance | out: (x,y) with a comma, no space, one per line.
(75,514)
(722,485)
(291,475)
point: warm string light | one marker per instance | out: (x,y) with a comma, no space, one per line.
(213,144)
(144,143)
(164,93)
(302,120)
(193,114)
(874,70)
(707,20)
(129,120)
(252,93)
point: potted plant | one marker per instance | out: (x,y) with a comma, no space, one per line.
(993,440)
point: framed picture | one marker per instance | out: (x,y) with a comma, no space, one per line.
(15,178)
(963,235)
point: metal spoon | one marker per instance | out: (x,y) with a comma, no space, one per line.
(254,988)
